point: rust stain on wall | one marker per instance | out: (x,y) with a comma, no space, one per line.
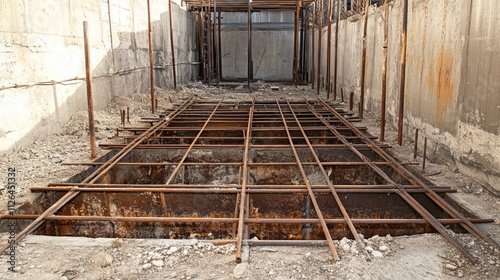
(442,85)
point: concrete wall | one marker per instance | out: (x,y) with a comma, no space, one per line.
(452,86)
(272,45)
(42,42)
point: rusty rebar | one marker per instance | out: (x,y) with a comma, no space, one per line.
(403,72)
(328,49)
(313,80)
(296,45)
(244,181)
(88,82)
(151,61)
(407,197)
(327,180)
(384,72)
(415,147)
(351,101)
(363,63)
(309,189)
(172,43)
(94,176)
(177,168)
(336,52)
(425,154)
(235,220)
(320,33)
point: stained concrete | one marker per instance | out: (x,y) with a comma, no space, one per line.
(452,75)
(42,42)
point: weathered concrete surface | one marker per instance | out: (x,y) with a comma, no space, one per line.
(272,45)
(452,70)
(42,42)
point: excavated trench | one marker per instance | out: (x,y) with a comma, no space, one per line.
(261,205)
(187,174)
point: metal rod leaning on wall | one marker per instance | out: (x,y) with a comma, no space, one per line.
(312,45)
(384,72)
(151,70)
(336,50)
(88,81)
(320,31)
(403,72)
(172,42)
(363,62)
(296,44)
(329,49)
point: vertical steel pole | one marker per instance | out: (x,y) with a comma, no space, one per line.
(320,31)
(403,72)
(336,50)
(88,82)
(296,45)
(172,42)
(363,63)
(151,70)
(384,72)
(313,81)
(201,18)
(425,154)
(219,49)
(209,43)
(329,49)
(415,148)
(249,48)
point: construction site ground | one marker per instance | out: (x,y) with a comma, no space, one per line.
(426,256)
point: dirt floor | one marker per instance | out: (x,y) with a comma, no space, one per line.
(426,256)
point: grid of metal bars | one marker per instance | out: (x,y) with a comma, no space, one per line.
(299,128)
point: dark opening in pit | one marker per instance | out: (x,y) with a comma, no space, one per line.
(226,177)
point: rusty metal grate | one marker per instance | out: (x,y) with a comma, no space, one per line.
(288,173)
